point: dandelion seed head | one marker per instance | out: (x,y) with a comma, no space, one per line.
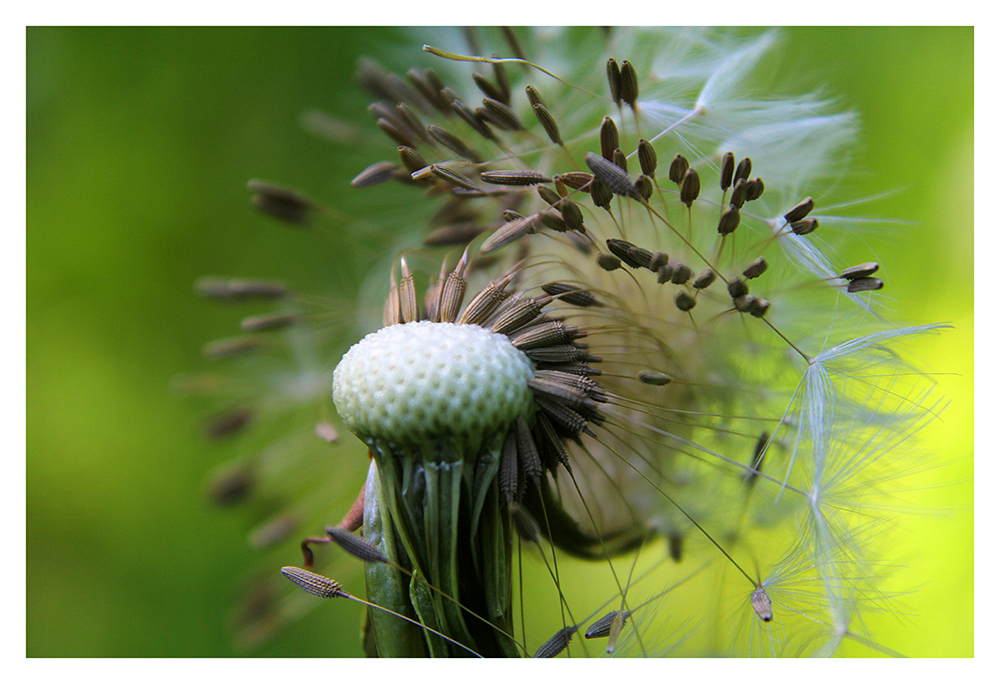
(425,379)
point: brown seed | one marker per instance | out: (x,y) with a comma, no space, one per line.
(533,95)
(241,290)
(664,274)
(572,215)
(280,202)
(620,160)
(658,259)
(755,188)
(557,644)
(759,307)
(860,271)
(738,288)
(503,113)
(615,81)
(608,262)
(359,547)
(739,195)
(611,175)
(704,279)
(601,194)
(652,377)
(800,210)
(412,121)
(675,544)
(761,603)
(729,221)
(690,187)
(395,132)
(452,293)
(503,83)
(563,416)
(551,445)
(758,458)
(865,285)
(602,627)
(527,452)
(486,302)
(684,301)
(553,220)
(453,177)
(509,232)
(743,303)
(520,314)
(630,83)
(647,158)
(412,160)
(743,169)
(678,167)
(805,226)
(469,117)
(728,166)
(278,321)
(448,140)
(228,423)
(313,583)
(514,177)
(578,180)
(379,172)
(543,335)
(682,274)
(644,186)
(571,295)
(508,476)
(430,90)
(548,123)
(630,254)
(234,346)
(548,195)
(756,268)
(489,90)
(408,310)
(609,138)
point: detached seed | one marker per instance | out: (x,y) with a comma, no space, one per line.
(678,167)
(729,221)
(805,226)
(756,268)
(761,603)
(651,377)
(548,123)
(629,83)
(690,187)
(704,279)
(609,138)
(860,271)
(743,169)
(728,165)
(379,172)
(313,583)
(615,81)
(800,210)
(865,285)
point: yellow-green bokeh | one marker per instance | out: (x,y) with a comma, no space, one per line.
(140,141)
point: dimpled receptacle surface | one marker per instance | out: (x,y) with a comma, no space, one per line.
(416,381)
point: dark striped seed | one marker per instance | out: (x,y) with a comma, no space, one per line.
(743,169)
(756,268)
(728,166)
(729,221)
(313,583)
(865,285)
(359,547)
(690,187)
(647,158)
(514,177)
(805,226)
(652,377)
(678,167)
(800,210)
(615,81)
(548,123)
(704,279)
(611,175)
(609,138)
(630,83)
(860,271)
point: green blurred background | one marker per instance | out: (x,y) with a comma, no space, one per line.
(140,142)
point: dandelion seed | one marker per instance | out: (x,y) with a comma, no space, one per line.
(678,169)
(690,187)
(860,271)
(865,284)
